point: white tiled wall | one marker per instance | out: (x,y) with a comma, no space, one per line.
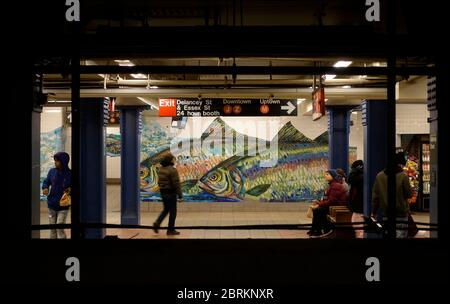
(51,119)
(356,137)
(412,119)
(113,163)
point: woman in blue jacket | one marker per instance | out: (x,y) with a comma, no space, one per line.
(59,180)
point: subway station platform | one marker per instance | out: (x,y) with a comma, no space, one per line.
(215,214)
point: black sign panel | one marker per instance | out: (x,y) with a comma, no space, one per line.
(233,107)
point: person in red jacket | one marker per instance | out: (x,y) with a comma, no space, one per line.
(335,195)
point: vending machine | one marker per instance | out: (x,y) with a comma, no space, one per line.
(425,175)
(417,168)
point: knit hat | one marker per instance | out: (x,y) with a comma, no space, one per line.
(341,172)
(357,163)
(333,173)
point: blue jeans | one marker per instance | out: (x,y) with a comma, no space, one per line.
(57,217)
(170,207)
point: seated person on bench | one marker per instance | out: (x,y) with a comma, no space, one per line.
(336,195)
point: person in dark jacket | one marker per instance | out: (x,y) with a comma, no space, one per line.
(355,200)
(336,195)
(170,188)
(58,181)
(403,193)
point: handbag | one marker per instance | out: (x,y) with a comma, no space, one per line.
(412,227)
(65,200)
(309,212)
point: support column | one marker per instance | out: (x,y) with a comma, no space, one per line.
(375,145)
(442,210)
(433,120)
(338,132)
(130,130)
(37,101)
(75,232)
(390,124)
(92,166)
(439,205)
(35,170)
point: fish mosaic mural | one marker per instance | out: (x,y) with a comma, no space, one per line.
(195,158)
(112,145)
(219,168)
(297,174)
(228,173)
(154,138)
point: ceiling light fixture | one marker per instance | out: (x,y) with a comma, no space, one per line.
(329,77)
(342,64)
(346,87)
(122,61)
(139,76)
(148,102)
(52,111)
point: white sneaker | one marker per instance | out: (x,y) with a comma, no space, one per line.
(329,233)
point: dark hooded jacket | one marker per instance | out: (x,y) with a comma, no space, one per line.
(58,181)
(168,179)
(403,192)
(356,182)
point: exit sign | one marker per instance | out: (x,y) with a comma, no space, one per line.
(167,107)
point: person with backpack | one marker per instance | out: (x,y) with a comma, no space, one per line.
(170,189)
(356,195)
(403,193)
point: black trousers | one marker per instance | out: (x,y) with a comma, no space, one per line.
(170,207)
(320,221)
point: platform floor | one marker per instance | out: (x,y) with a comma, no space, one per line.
(213,214)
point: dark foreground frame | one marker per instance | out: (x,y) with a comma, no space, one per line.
(233,263)
(298,265)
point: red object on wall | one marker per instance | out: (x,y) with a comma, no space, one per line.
(112,105)
(318,98)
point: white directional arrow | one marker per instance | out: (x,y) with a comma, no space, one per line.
(289,108)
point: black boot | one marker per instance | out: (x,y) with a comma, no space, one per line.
(155,227)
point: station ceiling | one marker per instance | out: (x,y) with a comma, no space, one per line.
(233,32)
